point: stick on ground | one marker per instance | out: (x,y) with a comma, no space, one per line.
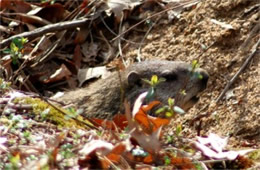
(45,29)
(239,71)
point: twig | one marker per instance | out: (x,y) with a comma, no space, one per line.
(254,31)
(112,32)
(49,51)
(239,71)
(110,48)
(200,116)
(48,28)
(156,14)
(205,50)
(119,41)
(142,42)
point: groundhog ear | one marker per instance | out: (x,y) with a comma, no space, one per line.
(133,78)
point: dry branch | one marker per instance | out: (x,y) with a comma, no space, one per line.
(239,71)
(45,29)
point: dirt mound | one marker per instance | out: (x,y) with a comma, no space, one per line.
(229,29)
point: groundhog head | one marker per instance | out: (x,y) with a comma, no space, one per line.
(182,83)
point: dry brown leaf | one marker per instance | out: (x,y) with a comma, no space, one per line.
(52,13)
(82,34)
(91,150)
(6,66)
(77,57)
(182,163)
(119,122)
(100,146)
(90,73)
(118,6)
(149,123)
(148,141)
(61,73)
(17,6)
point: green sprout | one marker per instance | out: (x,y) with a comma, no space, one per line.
(170,109)
(4,85)
(66,151)
(167,160)
(153,83)
(16,48)
(194,65)
(178,130)
(14,162)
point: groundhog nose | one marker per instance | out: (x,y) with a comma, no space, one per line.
(204,80)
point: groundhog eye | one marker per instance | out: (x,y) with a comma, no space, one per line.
(170,76)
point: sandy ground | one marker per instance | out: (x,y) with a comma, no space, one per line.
(238,113)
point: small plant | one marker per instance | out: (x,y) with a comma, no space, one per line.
(194,65)
(153,83)
(170,109)
(178,130)
(4,85)
(14,162)
(167,160)
(73,113)
(27,135)
(16,49)
(66,151)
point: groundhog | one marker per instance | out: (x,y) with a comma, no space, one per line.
(102,99)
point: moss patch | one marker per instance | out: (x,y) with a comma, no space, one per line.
(43,111)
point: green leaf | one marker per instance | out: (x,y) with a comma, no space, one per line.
(20,55)
(183,92)
(169,114)
(178,129)
(179,110)
(154,79)
(27,134)
(194,64)
(72,110)
(161,79)
(14,60)
(147,81)
(170,102)
(15,159)
(199,166)
(7,51)
(24,40)
(18,43)
(160,110)
(167,160)
(13,47)
(198,75)
(170,139)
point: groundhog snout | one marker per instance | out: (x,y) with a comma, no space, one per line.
(204,79)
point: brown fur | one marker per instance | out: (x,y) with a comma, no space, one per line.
(102,98)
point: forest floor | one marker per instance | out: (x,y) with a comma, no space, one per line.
(222,35)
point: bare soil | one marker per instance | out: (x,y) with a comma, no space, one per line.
(238,113)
